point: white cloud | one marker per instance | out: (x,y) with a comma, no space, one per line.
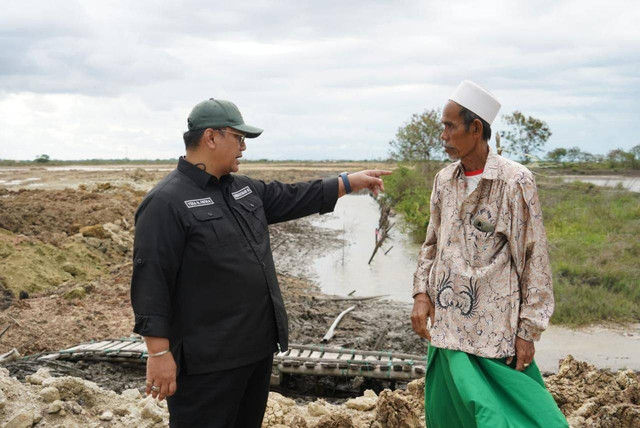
(325,79)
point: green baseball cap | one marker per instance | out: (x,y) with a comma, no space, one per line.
(215,114)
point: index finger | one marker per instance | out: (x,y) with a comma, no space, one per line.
(379,172)
(519,362)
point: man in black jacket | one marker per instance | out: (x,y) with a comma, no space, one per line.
(204,289)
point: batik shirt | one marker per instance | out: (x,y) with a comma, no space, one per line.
(485,262)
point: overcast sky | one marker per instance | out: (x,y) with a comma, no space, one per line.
(325,79)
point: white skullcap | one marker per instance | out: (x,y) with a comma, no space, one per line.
(477,99)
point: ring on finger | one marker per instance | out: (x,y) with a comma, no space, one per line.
(155,388)
(526,365)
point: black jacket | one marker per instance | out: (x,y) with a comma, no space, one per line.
(203,272)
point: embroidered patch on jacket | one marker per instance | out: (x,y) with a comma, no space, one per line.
(194,203)
(239,194)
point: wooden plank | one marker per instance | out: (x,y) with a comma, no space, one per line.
(316,354)
(133,345)
(139,347)
(95,346)
(117,346)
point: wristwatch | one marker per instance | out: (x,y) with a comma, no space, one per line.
(345,180)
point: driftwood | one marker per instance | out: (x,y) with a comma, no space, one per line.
(382,231)
(327,337)
(5,330)
(351,299)
(10,356)
(380,338)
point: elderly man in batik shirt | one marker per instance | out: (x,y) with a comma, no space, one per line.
(483,281)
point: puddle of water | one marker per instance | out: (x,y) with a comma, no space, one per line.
(345,269)
(18,182)
(629,183)
(610,348)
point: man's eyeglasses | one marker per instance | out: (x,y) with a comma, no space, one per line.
(240,140)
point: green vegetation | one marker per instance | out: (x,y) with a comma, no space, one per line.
(593,241)
(526,135)
(418,140)
(408,191)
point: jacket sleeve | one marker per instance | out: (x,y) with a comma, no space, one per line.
(429,248)
(529,253)
(157,254)
(284,202)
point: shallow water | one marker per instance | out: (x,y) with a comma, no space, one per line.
(18,182)
(345,269)
(629,183)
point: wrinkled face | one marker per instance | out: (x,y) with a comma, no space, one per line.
(229,146)
(457,141)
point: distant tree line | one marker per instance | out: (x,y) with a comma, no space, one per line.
(615,158)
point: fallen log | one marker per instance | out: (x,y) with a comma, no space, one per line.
(349,298)
(327,337)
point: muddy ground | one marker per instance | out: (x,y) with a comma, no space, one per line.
(65,245)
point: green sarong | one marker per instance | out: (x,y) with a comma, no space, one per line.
(464,390)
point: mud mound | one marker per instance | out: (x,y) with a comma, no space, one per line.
(52,215)
(68,317)
(589,398)
(73,402)
(596,398)
(392,409)
(34,266)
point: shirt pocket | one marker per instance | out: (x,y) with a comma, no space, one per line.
(214,226)
(483,241)
(252,212)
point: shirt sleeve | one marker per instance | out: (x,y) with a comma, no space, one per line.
(529,252)
(429,248)
(157,254)
(283,202)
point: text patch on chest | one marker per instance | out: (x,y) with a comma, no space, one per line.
(239,194)
(193,203)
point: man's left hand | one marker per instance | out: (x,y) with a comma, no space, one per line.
(368,179)
(525,351)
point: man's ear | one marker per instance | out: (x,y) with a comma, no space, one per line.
(477,127)
(209,138)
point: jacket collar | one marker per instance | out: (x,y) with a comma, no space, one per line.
(200,177)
